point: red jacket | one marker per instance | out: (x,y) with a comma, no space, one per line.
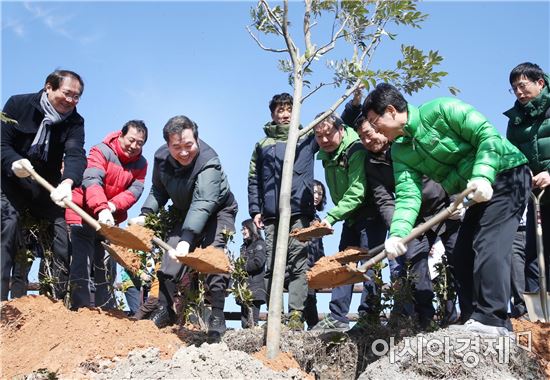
(110,176)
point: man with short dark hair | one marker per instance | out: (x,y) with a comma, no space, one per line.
(453,144)
(188,172)
(529,130)
(264,189)
(113,182)
(46,133)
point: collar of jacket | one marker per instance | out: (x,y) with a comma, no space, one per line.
(533,109)
(350,136)
(277,131)
(413,121)
(73,118)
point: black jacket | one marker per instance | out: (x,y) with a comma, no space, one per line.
(255,256)
(66,142)
(379,172)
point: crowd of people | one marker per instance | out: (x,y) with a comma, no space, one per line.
(388,167)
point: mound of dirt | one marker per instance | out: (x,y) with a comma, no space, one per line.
(315,230)
(539,340)
(38,332)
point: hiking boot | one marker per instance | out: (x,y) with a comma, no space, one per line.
(330,324)
(216,326)
(477,328)
(295,321)
(162,317)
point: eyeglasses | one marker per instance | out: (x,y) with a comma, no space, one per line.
(520,86)
(70,96)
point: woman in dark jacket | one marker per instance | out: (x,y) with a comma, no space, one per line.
(253,250)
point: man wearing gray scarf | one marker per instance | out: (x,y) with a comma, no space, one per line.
(47,133)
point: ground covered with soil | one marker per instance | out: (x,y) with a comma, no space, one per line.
(40,337)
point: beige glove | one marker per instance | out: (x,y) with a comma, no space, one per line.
(139,220)
(394,247)
(61,192)
(19,168)
(483,191)
(106,217)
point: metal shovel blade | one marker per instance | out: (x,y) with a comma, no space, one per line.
(535,307)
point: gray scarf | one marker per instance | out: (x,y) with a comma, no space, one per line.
(41,143)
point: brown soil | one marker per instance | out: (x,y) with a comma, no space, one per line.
(124,257)
(125,238)
(207,260)
(282,362)
(315,230)
(144,234)
(328,272)
(351,254)
(37,332)
(540,339)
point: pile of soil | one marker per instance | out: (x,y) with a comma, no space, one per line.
(315,230)
(540,340)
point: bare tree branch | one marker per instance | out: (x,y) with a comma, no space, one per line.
(262,46)
(318,87)
(293,50)
(307,27)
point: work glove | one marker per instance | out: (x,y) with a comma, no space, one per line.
(145,277)
(170,264)
(112,206)
(106,217)
(61,192)
(394,247)
(182,249)
(18,168)
(326,223)
(139,220)
(458,214)
(483,191)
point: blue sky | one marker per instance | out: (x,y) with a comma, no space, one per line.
(154,60)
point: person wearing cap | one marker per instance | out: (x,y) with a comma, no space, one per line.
(455,145)
(113,182)
(42,131)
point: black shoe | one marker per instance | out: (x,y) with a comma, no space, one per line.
(216,328)
(162,317)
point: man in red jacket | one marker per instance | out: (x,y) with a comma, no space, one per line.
(113,182)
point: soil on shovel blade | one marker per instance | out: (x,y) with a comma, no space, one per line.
(315,230)
(207,260)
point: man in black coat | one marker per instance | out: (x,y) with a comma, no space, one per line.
(46,133)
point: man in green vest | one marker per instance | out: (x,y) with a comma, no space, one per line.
(453,144)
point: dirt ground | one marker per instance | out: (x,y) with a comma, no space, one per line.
(39,333)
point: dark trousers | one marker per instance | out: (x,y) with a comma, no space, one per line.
(212,235)
(89,257)
(531,261)
(253,311)
(311,314)
(39,204)
(519,270)
(483,251)
(365,234)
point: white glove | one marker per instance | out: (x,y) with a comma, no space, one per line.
(170,264)
(18,167)
(139,220)
(182,249)
(483,191)
(326,223)
(106,217)
(458,214)
(112,206)
(394,247)
(145,277)
(61,192)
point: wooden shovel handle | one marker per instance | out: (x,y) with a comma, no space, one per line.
(417,231)
(91,221)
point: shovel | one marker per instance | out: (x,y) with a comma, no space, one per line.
(337,274)
(114,234)
(537,302)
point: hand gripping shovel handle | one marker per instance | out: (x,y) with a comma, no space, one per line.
(417,231)
(83,214)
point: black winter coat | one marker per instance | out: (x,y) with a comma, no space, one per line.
(255,256)
(66,143)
